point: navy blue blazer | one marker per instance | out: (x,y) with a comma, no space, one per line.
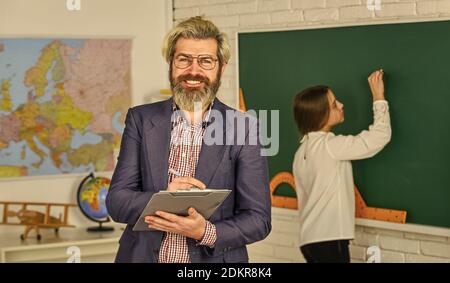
(142,170)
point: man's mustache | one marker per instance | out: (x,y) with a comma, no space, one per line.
(189,77)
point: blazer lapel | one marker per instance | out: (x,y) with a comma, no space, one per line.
(157,140)
(211,155)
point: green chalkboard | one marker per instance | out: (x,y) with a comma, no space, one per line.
(413,172)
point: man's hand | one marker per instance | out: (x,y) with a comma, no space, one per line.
(191,226)
(183,183)
(377,85)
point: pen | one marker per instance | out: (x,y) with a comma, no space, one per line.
(176,173)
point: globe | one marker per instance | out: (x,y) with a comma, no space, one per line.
(91,198)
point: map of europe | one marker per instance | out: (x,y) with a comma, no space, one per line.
(62,104)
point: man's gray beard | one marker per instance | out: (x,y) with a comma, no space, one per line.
(193,99)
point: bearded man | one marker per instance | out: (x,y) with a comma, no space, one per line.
(163,148)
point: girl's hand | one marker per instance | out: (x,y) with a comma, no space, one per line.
(377,85)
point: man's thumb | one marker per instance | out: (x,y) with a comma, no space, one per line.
(192,212)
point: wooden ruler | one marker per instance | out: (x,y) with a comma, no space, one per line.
(361,211)
(242,106)
(375,213)
(281,201)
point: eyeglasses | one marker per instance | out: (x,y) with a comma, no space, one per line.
(205,62)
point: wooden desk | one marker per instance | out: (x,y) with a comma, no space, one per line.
(94,247)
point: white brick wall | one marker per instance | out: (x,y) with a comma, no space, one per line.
(235,15)
(282,243)
(396,246)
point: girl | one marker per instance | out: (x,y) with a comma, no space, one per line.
(323,171)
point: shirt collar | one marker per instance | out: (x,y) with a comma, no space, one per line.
(316,133)
(181,119)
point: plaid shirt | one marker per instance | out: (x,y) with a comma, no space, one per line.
(185,145)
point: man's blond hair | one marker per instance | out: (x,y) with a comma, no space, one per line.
(196,28)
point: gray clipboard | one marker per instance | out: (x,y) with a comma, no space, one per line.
(204,201)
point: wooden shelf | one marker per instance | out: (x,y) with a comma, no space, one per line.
(94,246)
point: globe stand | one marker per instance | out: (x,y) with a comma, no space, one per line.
(100,228)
